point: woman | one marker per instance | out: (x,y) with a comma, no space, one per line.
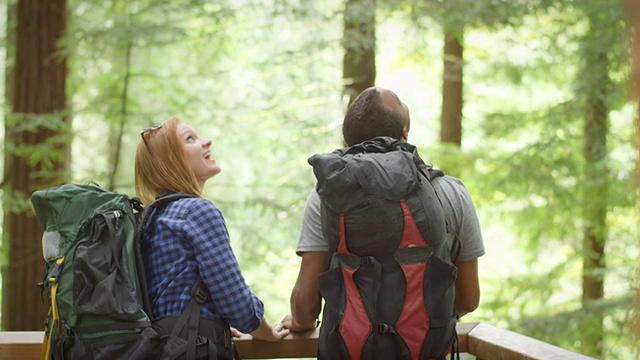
(187,239)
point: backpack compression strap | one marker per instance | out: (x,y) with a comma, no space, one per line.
(55,323)
(412,256)
(190,318)
(355,317)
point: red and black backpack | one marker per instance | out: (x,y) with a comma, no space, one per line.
(389,290)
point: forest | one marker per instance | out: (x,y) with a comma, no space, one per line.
(528,102)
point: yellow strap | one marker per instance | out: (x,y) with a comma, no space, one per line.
(54,292)
(54,303)
(46,343)
(46,347)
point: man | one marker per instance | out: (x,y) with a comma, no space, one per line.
(379,112)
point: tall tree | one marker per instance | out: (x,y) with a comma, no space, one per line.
(546,172)
(633,8)
(36,152)
(452,100)
(595,88)
(359,42)
(456,17)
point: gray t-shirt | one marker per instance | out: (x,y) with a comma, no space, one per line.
(459,212)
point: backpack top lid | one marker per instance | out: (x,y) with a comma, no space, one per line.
(66,208)
(383,166)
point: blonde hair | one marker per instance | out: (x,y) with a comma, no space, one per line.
(161,164)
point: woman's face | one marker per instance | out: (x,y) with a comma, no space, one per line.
(198,154)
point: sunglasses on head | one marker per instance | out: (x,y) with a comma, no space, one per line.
(146,132)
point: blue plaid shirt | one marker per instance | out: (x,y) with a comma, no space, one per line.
(186,238)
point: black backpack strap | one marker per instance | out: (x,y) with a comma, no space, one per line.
(158,203)
(390,329)
(191,317)
(199,295)
(456,247)
(435,173)
(455,347)
(213,350)
(144,214)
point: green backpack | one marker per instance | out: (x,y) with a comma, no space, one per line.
(97,303)
(95,284)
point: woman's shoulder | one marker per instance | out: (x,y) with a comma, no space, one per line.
(194,200)
(189,206)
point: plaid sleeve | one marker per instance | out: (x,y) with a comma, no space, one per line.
(219,269)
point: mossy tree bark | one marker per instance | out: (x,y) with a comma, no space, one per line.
(595,90)
(36,149)
(452,101)
(359,43)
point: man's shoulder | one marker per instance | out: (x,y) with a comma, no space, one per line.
(448,183)
(452,192)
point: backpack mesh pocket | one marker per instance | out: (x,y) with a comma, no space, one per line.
(101,280)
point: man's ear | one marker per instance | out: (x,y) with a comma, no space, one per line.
(405,134)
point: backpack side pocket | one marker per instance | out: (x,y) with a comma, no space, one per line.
(101,281)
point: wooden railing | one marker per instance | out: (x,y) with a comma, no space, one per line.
(484,341)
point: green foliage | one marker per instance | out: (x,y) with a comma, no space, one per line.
(531,169)
(44,154)
(537,162)
(262,79)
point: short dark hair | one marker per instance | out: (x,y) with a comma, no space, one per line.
(367,118)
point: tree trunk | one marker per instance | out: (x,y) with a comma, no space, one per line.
(359,42)
(638,190)
(116,134)
(451,118)
(595,188)
(34,124)
(634,11)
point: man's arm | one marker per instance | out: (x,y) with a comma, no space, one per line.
(461,214)
(305,296)
(467,287)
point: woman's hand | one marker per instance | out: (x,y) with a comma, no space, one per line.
(235,332)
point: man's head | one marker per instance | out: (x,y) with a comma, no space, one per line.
(375,112)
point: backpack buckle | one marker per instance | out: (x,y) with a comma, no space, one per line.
(57,269)
(366,260)
(201,340)
(200,295)
(384,328)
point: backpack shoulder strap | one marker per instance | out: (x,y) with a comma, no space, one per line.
(429,171)
(435,173)
(456,247)
(159,203)
(190,317)
(144,214)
